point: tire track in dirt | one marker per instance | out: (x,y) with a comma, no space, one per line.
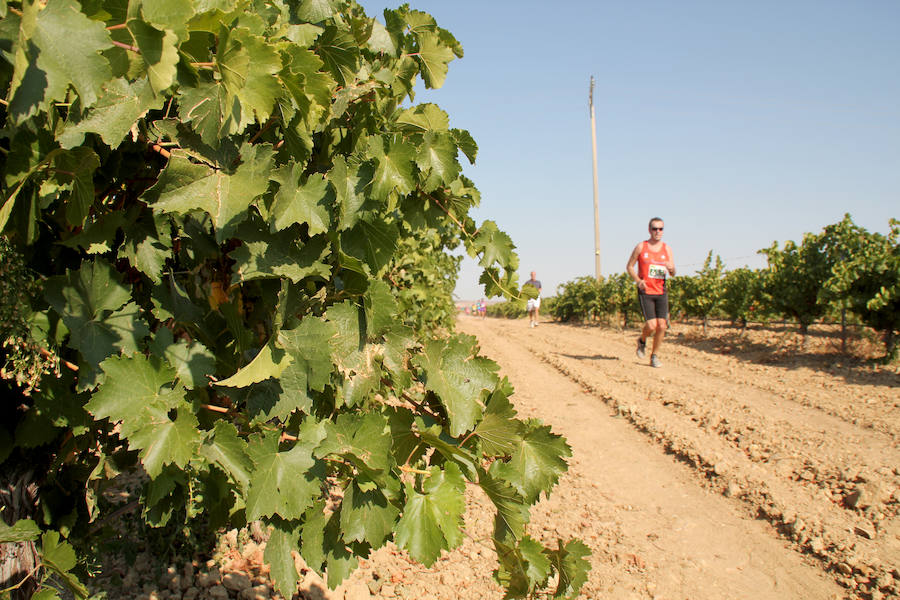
(824,483)
(681,538)
(801,447)
(827,392)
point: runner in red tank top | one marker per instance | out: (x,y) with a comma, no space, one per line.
(654,262)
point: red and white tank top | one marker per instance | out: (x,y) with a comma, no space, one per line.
(652,268)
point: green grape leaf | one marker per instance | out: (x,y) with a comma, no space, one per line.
(499,430)
(114,114)
(364,440)
(192,361)
(57,59)
(304,204)
(323,547)
(118,331)
(270,361)
(312,536)
(284,539)
(159,51)
(308,86)
(406,445)
(76,168)
(225,448)
(133,384)
(249,67)
(59,557)
(570,560)
(184,186)
(432,520)
(98,237)
(523,567)
(148,244)
(212,110)
(339,52)
(350,183)
(160,498)
(435,437)
(169,14)
(396,343)
(529,291)
(436,157)
(35,429)
(537,462)
(308,346)
(171,302)
(466,143)
(90,302)
(434,57)
(350,338)
(424,118)
(394,166)
(315,11)
(275,256)
(163,441)
(341,560)
(458,377)
(23,530)
(512,511)
(308,368)
(280,483)
(380,41)
(28,83)
(373,241)
(494,245)
(381,308)
(367,516)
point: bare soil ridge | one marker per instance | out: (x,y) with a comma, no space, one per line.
(807,444)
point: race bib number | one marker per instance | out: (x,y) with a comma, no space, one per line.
(657,272)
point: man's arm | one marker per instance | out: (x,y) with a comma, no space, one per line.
(632,261)
(670,264)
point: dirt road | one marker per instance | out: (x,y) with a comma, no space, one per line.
(717,476)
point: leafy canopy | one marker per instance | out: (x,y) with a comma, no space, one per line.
(242,222)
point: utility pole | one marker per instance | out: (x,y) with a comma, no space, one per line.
(596,190)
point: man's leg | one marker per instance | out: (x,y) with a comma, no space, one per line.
(649,328)
(659,327)
(646,332)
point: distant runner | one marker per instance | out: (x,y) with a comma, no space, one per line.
(534,304)
(482,308)
(654,263)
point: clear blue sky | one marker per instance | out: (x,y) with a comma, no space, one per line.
(739,123)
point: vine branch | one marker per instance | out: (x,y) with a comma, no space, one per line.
(27,577)
(412,401)
(128,47)
(469,236)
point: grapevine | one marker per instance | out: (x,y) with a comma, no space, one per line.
(236,219)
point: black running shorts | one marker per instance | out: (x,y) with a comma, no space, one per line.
(654,306)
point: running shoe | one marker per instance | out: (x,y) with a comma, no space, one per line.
(654,361)
(641,348)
